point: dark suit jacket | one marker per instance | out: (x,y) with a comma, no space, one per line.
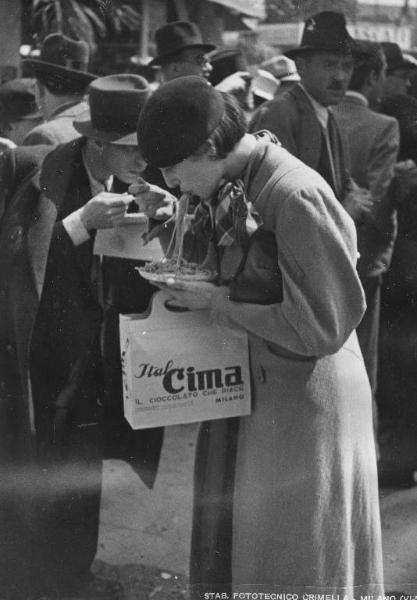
(291,117)
(373,148)
(32,238)
(26,225)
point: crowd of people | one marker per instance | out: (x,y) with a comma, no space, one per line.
(302,179)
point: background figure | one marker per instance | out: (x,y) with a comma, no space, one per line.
(52,304)
(181,51)
(61,83)
(399,70)
(397,380)
(373,142)
(301,117)
(18,109)
(286,496)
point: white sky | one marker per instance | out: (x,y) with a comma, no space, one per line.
(411,3)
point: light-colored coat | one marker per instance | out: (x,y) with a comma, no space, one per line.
(305,499)
(59,128)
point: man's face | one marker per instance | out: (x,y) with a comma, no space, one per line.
(191,61)
(397,82)
(124,162)
(326,75)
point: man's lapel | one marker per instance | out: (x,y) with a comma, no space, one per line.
(309,136)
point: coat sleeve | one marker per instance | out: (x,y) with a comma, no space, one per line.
(7,178)
(323,300)
(39,135)
(380,173)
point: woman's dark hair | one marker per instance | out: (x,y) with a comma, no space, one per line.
(228,132)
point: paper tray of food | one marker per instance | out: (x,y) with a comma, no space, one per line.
(125,240)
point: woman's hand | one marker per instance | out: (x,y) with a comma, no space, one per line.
(194,295)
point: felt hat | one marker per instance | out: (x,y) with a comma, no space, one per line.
(64,58)
(177,119)
(264,84)
(176,36)
(325,31)
(115,102)
(395,57)
(225,62)
(282,68)
(17,99)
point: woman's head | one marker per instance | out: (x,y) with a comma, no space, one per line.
(187,129)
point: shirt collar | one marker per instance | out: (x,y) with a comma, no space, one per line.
(96,185)
(357,95)
(322,112)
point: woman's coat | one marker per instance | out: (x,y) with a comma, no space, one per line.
(303,512)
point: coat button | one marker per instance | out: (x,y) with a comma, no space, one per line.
(17,233)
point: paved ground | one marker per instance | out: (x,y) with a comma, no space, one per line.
(145,535)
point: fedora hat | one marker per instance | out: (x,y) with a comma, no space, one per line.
(325,31)
(62,57)
(281,67)
(115,102)
(177,36)
(395,57)
(264,84)
(17,99)
(177,119)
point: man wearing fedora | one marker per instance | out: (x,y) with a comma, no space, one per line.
(18,110)
(53,386)
(301,117)
(399,69)
(181,51)
(373,142)
(62,80)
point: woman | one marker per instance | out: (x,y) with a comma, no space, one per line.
(297,476)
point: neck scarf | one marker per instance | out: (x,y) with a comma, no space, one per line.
(231,219)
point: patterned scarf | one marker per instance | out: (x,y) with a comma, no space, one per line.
(235,218)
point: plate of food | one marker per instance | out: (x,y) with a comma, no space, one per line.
(176,267)
(163,270)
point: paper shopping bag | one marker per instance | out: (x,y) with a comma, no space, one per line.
(180,367)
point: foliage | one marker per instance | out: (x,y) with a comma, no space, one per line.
(87,20)
(299,10)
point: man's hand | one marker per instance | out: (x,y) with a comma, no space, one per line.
(358,203)
(406,174)
(104,210)
(152,200)
(194,295)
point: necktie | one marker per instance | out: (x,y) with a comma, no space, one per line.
(331,157)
